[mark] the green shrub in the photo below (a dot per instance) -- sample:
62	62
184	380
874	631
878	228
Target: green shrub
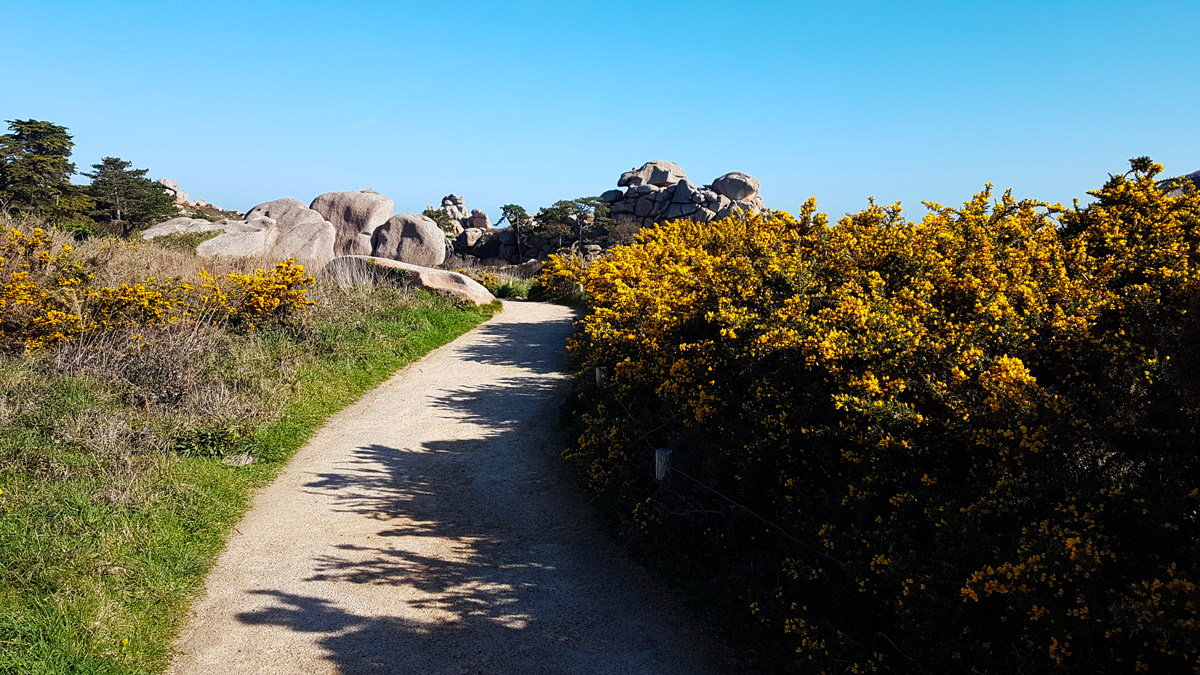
442	219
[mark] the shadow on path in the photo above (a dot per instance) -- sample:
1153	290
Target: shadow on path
493	559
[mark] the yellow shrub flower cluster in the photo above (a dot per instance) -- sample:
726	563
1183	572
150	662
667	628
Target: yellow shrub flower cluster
47	298
960	444
562	273
261	297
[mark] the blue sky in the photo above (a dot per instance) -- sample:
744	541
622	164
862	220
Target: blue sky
530	102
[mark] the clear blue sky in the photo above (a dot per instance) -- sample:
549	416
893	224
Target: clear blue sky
524	102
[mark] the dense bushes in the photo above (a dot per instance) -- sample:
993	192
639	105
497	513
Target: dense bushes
964	444
47	296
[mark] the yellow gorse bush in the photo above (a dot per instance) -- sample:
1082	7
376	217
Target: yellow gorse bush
562	273
261	297
47	298
973	433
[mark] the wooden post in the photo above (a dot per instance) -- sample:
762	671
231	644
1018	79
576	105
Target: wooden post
601	373
662	463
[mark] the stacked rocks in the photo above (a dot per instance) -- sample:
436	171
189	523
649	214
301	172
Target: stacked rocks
456	207
172	188
660	191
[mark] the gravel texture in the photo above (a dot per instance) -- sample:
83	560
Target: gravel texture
432	528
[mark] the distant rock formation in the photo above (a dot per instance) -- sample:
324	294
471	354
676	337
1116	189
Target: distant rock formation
184	202
660	191
456	207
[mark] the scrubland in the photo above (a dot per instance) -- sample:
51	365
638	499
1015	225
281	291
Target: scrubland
960	444
144	393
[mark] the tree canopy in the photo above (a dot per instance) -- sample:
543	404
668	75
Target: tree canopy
125	199
35	172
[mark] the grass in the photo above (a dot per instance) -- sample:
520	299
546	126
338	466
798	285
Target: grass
116	500
514	288
186	243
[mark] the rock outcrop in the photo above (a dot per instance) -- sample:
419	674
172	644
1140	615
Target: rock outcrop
410	238
185	203
185	225
660	191
310	240
439	281
456	207
736	186
468	238
276	230
355	215
249	244
287	212
339	223
657	173
480	220
172	188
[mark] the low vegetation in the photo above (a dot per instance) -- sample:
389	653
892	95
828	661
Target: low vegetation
143	394
965	444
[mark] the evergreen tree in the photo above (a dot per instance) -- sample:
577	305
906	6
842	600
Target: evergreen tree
520	221
35	172
442	219
125	199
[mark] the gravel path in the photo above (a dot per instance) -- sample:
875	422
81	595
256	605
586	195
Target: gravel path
431	528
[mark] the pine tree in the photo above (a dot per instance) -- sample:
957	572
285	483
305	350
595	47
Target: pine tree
35	172
125	199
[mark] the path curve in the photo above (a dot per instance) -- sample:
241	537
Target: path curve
431	528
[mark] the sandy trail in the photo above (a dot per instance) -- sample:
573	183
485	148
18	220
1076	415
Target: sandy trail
431	528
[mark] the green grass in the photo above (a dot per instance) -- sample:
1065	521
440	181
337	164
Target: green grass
515	288
101	556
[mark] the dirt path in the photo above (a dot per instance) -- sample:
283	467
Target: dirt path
431	528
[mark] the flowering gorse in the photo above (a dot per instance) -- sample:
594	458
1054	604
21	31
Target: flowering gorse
47	298
972	434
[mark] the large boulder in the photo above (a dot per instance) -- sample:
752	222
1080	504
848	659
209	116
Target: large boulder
286	212
736	185
199	225
180	225
355	215
235	244
480	220
657	173
172	188
410	238
439	281
469	237
310	241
